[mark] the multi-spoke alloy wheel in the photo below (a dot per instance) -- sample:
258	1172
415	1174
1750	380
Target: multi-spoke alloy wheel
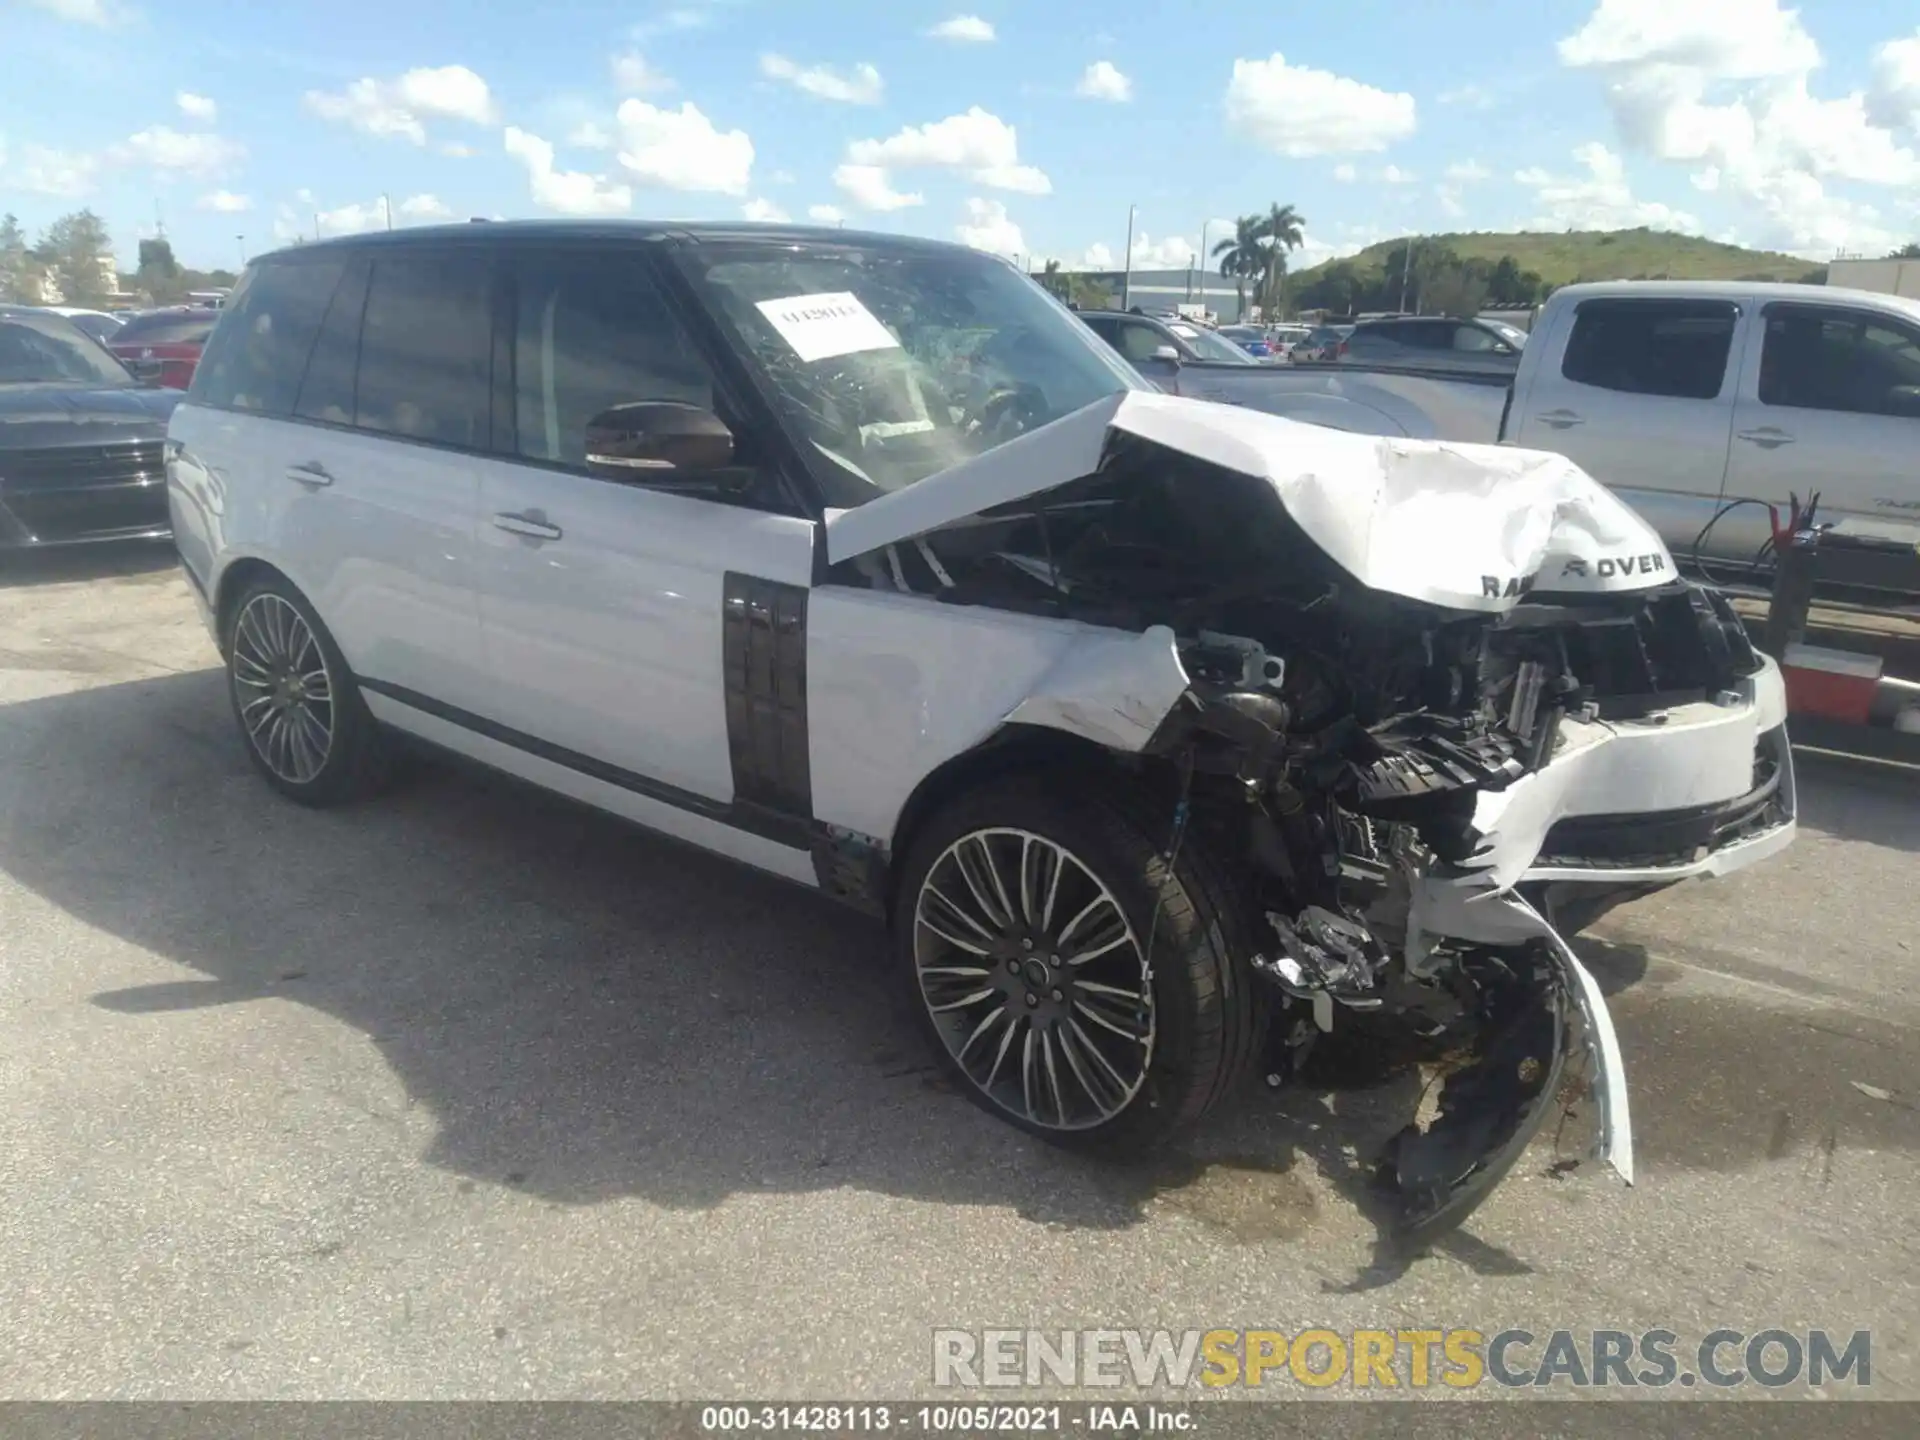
1034	979
282	688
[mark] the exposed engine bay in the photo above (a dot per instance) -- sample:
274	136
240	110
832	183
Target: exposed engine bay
1389	770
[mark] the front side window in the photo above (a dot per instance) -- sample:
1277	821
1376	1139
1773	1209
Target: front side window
1138	342
1832	358
891	363
44	349
1472	339
1676	348
426	349
590	333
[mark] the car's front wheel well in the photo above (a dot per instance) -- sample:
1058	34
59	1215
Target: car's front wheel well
1013	751
234	582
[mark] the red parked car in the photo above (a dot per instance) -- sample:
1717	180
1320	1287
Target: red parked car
163	346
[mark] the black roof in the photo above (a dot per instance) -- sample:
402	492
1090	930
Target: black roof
623	231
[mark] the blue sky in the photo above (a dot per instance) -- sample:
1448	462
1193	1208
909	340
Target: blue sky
1026	128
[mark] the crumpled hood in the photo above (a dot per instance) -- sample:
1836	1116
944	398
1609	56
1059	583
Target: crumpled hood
1470	527
36	417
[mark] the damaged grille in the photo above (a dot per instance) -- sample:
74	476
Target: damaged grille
1663	838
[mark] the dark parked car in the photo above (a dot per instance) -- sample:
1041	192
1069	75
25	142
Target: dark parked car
164	346
1323	342
1433	340
1142	337
81	439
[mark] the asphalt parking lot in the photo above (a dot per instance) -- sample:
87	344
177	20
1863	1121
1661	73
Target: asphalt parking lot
467	1093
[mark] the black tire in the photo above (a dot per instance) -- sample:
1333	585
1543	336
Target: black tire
355	761
1207	1013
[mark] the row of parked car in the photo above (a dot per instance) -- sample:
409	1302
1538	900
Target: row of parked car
1415	341
161	345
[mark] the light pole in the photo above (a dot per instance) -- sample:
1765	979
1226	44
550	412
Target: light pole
1126	274
1205	225
241	241
387	205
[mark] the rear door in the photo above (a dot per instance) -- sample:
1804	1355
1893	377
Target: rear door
1830	402
1639	393
381	470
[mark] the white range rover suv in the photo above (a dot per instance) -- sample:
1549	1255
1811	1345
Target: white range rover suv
1158	731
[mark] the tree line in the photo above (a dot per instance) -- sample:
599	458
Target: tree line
73	264
1423	277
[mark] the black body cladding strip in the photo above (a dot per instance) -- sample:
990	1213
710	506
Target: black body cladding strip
763	648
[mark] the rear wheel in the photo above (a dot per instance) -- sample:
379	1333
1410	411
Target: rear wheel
305	726
1072	980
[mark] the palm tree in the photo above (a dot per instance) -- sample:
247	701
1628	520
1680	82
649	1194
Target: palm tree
1241	255
1050	279
1280	233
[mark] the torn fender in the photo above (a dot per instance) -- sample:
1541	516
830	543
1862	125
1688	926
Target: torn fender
1468	527
1114	689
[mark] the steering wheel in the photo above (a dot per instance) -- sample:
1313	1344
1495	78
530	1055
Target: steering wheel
1007	411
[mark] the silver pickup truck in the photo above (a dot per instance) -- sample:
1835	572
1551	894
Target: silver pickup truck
1682	396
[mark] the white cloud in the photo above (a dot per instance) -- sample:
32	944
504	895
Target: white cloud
1470	97
673	20
869	188
1468	172
1600	199
457	152
861	86
634	75
590	135
1299	111
1733	39
82	12
1893	100
167	149
43	170
1723	87
765	211
568	192
303	195
1449	199
1394	175
370	215
1102	80
987	227
978	142
968	29
825	214
196	107
683	150
1169	253
225	202
1315	250
425	207
1346	174
395	107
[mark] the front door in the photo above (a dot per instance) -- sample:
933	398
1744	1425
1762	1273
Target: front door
620	621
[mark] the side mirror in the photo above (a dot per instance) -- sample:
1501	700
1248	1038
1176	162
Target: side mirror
1167	354
658	442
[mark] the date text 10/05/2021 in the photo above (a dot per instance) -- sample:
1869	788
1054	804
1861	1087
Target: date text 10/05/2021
961	1419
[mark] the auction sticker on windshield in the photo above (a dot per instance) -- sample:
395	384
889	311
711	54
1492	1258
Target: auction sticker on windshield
819	327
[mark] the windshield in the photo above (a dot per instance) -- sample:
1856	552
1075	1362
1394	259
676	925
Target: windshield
893	364
1512	336
188	327
1209	346
45	349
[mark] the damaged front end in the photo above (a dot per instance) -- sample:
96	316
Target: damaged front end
1392	679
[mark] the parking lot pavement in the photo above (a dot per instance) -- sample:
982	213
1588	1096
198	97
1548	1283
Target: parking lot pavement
468	1093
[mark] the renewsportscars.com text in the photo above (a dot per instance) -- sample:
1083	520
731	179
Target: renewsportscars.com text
1455	1358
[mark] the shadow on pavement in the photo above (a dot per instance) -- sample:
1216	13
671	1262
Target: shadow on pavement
588	1011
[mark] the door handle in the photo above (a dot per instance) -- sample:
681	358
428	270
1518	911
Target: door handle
1560	419
1767	437
311	473
531	526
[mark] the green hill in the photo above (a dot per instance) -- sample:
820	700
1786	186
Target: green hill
1562	258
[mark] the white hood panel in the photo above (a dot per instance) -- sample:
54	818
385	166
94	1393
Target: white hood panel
1469	527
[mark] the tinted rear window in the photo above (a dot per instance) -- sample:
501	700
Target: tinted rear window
167	329
1676	348
258	352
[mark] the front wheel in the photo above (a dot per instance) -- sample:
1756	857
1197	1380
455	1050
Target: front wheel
1072	980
